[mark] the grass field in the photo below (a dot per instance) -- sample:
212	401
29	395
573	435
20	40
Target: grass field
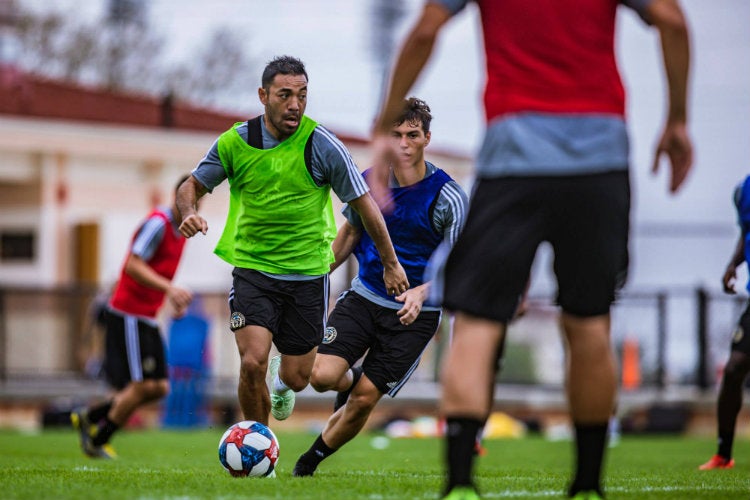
183	465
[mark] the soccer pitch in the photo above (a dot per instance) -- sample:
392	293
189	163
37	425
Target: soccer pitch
184	465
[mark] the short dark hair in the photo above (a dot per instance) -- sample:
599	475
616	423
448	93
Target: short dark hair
415	111
282	65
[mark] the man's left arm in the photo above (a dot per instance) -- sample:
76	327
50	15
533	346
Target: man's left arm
394	275
146	242
178	297
675	143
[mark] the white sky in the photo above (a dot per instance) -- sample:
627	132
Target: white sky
332	38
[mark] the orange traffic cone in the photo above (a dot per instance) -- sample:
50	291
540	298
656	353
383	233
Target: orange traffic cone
631	366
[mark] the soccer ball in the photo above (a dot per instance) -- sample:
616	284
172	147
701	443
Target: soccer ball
249	448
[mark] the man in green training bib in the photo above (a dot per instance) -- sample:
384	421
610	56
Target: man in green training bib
281	167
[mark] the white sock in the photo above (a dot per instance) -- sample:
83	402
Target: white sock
279	387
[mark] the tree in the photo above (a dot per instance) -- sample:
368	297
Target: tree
217	68
122	52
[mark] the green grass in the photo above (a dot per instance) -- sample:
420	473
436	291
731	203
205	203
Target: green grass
183	465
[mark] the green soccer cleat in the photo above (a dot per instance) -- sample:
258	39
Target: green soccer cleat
462	493
281	404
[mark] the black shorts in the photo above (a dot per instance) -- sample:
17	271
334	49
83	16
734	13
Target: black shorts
134	350
357	325
294	311
741	337
586	220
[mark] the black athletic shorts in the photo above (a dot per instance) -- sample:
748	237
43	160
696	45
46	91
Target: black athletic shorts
357	326
586	220
134	350
741	337
294	311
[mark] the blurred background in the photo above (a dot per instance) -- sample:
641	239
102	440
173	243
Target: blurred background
105	103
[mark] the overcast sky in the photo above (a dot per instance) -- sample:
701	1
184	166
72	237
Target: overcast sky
333	38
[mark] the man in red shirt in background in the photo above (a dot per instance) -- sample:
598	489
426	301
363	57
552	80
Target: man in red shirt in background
135	362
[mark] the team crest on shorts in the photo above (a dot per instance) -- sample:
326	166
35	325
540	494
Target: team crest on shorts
329	335
148	364
738	334
236	321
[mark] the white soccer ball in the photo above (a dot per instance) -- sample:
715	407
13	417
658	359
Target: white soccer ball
249	448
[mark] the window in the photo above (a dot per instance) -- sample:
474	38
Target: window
16	245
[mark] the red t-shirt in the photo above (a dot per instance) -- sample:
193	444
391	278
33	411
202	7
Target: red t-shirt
551	56
134	298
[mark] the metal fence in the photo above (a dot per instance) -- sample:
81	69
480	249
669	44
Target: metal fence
682	337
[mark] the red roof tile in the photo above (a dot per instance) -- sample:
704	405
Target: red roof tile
24	94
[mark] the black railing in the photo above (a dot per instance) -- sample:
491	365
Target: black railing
683	333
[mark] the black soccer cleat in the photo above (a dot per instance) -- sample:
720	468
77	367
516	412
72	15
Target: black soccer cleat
302	469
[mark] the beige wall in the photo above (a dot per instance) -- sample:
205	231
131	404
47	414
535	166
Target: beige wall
55	175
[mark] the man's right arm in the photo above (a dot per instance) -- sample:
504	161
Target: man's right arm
187	198
205	177
410	62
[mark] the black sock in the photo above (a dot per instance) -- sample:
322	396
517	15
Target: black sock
97	413
317	452
729	403
591	440
460	438
728	406
104	432
725	445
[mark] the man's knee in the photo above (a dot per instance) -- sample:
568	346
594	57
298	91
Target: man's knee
253	369
322	379
151	389
320	384
297	382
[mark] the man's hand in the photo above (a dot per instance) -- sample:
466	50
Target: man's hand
179	299
678	147
395	279
413	300
192	225
676	144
